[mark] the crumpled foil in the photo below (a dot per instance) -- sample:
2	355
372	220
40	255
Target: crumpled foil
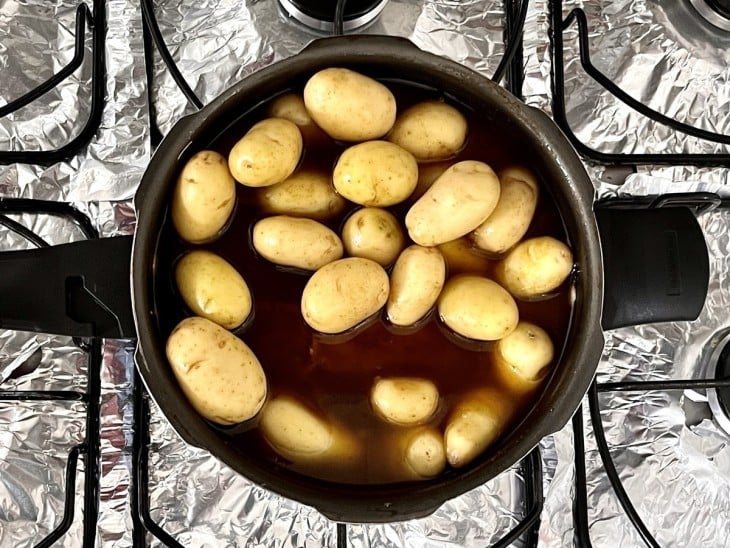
37	40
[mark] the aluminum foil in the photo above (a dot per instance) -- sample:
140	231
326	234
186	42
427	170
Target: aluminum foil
38	40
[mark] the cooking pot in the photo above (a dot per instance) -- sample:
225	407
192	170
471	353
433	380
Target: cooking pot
656	269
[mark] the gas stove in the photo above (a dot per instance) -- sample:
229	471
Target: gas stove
89	88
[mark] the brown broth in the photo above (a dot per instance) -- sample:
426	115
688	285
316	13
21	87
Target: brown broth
334	379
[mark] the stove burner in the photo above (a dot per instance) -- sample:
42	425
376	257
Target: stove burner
719	398
716	12
319	15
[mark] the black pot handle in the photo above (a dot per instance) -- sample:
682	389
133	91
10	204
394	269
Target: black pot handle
81	289
655	261
331	41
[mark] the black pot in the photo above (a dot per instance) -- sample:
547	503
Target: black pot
661	275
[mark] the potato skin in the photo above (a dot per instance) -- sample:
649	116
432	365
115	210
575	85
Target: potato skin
375	173
461	258
349	106
267	154
477	308
427	175
217	371
406	401
430	130
291	241
373	233
457	202
203	198
415	284
304	194
474	423
535	267
522	356
290	106
510	220
213	289
343	293
424	454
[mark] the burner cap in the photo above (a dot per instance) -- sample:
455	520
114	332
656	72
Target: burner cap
716	12
319	14
722	372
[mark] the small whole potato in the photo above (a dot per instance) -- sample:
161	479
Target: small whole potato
403	400
267	154
213	289
477	308
203	198
415	284
219	374
343	293
300	435
458	202
474	423
522	356
461	258
431	130
519	173
375	173
349	106
291	241
304	194
510	220
535	267
423	452
373	233
290	106
427	175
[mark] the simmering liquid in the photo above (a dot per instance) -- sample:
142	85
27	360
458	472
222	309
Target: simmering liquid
333	376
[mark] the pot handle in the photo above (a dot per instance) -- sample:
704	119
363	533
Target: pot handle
80	289
656	265
330	42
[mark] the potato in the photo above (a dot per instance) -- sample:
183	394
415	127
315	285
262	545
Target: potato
219	374
427	175
423	452
458	202
522	356
535	267
510	220
300	435
461	258
474	423
343	293
290	106
267	154
373	233
203	199
349	106
521	174
431	130
291	241
415	284
304	194
375	173
477	308
404	401
213	289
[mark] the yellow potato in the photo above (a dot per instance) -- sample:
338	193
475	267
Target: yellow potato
474	423
477	308
267	154
203	199
375	173
522	356
349	106
535	267
403	400
300	435
343	293
373	233
291	241
290	106
458	202
219	374
431	130
423	452
415	284
427	175
461	258
304	194
213	289
510	220
521	174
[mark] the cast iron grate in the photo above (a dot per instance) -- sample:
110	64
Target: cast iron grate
89	449
95	19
